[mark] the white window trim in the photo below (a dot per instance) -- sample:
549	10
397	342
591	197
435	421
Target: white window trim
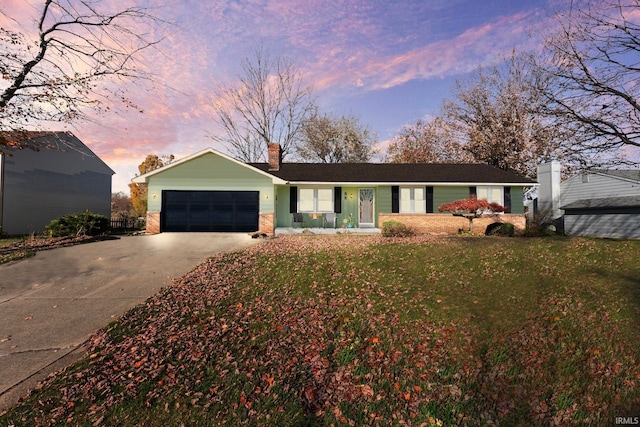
315	200
412	204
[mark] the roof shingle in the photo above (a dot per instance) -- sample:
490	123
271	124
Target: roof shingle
604	203
394	173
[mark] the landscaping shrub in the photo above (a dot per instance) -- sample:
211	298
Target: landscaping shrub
86	223
542	224
396	229
500	229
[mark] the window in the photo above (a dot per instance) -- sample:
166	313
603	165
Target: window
491	194
412	200
307	200
325	200
315	200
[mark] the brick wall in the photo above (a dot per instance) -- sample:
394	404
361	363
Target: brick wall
449	224
153	222
267	222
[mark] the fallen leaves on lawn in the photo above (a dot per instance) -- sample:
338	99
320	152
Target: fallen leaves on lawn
236	341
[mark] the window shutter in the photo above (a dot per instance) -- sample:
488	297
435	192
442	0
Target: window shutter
337	199
507	199
429	193
293	199
473	192
395	199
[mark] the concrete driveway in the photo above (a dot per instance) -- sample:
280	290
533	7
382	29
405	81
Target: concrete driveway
52	302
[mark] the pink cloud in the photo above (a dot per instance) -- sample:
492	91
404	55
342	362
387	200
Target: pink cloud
338	44
474	47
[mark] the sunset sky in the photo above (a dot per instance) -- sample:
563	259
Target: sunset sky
386	62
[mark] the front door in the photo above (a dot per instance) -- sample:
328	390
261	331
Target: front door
366	205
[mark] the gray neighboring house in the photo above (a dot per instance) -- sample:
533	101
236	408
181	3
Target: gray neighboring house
60	176
597	203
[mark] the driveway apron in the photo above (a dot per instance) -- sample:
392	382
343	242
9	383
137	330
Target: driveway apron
51	303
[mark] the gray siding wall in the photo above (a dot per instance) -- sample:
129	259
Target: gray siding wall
43	185
598	223
598	186
616	225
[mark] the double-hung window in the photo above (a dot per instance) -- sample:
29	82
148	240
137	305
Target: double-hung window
412	200
490	194
315	200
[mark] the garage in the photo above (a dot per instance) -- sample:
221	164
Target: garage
198	211
613	217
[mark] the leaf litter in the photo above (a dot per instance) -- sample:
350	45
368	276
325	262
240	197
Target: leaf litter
301	330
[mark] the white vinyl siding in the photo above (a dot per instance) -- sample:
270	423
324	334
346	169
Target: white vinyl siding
611	225
312	200
412	200
599	186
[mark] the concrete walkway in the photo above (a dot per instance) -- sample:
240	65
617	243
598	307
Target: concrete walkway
52	302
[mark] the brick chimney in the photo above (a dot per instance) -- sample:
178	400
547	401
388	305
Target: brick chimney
275	156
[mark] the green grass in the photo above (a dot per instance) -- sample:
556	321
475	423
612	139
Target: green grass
352	330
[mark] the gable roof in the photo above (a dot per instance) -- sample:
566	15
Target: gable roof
140	179
14	141
392	173
630	174
369	173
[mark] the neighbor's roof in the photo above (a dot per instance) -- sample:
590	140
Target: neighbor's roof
604	203
436	173
14	141
622	173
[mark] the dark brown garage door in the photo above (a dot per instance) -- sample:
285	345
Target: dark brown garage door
231	211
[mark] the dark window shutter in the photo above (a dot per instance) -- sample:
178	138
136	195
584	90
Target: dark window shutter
337	199
473	192
429	191
507	199
395	199
293	199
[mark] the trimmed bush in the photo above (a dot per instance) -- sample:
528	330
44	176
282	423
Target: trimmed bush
396	229
82	224
500	229
543	224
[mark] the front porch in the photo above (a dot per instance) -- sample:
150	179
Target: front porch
319	230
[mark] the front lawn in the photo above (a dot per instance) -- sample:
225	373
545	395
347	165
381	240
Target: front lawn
362	330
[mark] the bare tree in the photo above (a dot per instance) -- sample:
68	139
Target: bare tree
268	104
495	114
593	61
427	141
336	139
51	73
121	206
